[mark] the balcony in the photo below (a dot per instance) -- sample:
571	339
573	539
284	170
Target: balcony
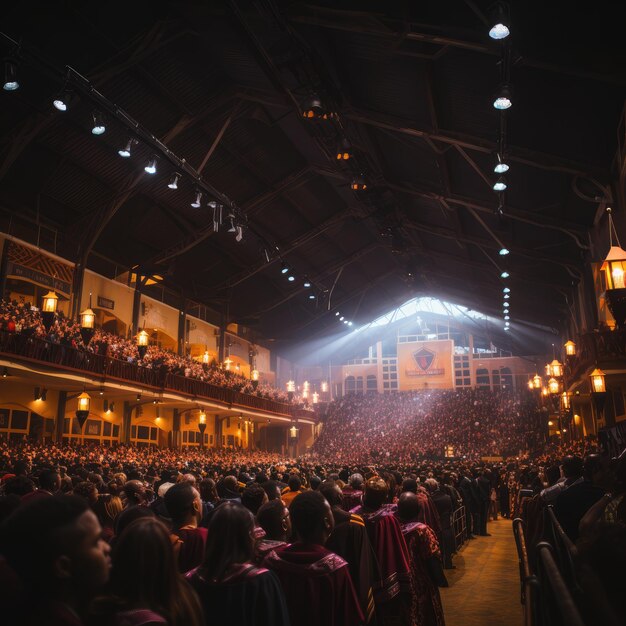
605	349
64	358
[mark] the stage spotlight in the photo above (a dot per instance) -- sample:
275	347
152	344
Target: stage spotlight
506	296
239	235
151	168
503	252
125	151
10	76
506	305
501	166
506	290
197	203
344	150
312	107
283	268
500	184
506	317
98	124
504	275
311	296
291	278
62	101
232	228
173	184
337	313
358	183
503	98
500	21
341	319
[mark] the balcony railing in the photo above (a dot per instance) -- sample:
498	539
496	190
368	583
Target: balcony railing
605	349
64	357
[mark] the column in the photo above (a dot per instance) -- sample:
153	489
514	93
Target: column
60	417
218	431
126	421
176	435
182	328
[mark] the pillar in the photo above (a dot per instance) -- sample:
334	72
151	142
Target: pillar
136	305
60	417
218	431
4	259
182	328
77	289
176	434
126	421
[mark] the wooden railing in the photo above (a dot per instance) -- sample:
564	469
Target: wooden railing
604	348
66	358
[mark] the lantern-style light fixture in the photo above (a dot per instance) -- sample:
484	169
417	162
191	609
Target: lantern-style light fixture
545	392
87	319
537	382
84	401
291	386
614	268
227	363
556	369
50	302
565	401
548	369
597	381
254	374
531	385
316	397
206	357
293	431
550	423
142	343
324	386
553	386
570	348
87	325
202	426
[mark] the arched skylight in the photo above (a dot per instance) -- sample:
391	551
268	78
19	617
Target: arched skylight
425	305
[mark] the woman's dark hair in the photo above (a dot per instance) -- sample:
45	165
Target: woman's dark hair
145	574
230	540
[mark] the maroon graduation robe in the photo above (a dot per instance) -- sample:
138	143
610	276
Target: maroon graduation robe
422	543
317	586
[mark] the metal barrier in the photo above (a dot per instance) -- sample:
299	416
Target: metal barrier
459	526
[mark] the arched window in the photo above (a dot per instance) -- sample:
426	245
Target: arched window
506	378
482	377
372	384
349	385
359	385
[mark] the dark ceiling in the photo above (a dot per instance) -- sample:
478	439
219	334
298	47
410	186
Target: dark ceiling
221	85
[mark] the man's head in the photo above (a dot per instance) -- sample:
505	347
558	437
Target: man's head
356	482
55	545
135	492
88	491
432	485
274	518
294	483
572	467
272	489
409	484
253	497
376	491
230	484
331	491
49	480
311	517
408	506
183	504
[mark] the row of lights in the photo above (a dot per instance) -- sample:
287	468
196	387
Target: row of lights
342	319
306	283
61	102
500	29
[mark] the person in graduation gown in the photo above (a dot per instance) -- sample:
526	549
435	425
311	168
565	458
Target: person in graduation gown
273	518
392	593
350	541
184	506
232	590
316	581
426	571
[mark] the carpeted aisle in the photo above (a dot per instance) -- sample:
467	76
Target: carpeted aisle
484	589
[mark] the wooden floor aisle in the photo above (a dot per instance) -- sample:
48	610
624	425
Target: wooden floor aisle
484	589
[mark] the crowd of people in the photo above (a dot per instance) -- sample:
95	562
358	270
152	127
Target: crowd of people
130	536
406	426
23	319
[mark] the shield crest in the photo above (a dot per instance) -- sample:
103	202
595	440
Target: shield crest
424	358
